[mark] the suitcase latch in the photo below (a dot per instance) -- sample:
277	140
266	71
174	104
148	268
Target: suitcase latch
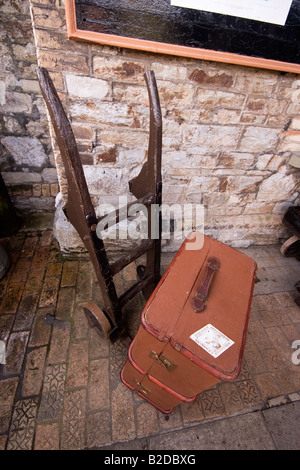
163	361
140	388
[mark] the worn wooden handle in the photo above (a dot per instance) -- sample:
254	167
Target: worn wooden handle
199	300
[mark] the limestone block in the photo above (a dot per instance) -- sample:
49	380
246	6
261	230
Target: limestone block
49	175
259	208
25	150
92	110
278	187
270	162
106	180
86	87
14	102
212	77
47	18
130	94
62	62
19	177
123	137
202	184
240	183
175	159
212	99
295	124
30	86
210	138
259	139
256	81
169	70
131	158
12	125
179	95
236	160
63	230
226	116
119	69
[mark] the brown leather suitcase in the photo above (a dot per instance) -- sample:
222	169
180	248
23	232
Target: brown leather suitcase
193	327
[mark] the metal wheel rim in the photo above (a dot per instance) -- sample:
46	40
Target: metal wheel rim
287	244
97	319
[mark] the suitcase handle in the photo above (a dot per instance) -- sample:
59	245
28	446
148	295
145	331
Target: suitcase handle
200	299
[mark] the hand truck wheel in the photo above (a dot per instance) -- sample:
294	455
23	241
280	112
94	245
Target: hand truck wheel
140	270
97	319
291	247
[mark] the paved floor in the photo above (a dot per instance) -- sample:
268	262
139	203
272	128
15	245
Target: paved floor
60	387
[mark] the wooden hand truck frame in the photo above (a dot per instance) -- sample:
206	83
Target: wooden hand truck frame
79	210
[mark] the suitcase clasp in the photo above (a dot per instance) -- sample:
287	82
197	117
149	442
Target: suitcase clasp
141	389
163	361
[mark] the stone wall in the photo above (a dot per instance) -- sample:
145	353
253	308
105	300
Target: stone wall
26	164
228	131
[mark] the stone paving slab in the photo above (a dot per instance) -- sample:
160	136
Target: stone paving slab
243	432
273	428
60	387
283	424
